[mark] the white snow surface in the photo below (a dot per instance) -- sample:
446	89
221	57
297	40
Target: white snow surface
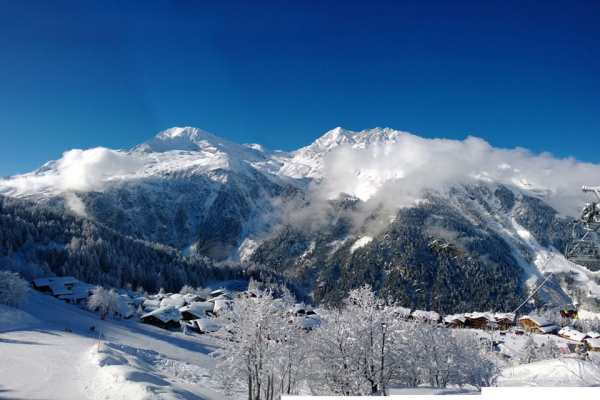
42	360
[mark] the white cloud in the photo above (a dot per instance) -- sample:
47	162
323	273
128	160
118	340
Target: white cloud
77	170
395	174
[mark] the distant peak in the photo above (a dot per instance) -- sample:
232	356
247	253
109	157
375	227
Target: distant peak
182	138
185	132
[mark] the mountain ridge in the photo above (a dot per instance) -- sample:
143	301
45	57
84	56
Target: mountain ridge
405	214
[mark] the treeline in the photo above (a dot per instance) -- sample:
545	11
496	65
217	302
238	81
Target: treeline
39	240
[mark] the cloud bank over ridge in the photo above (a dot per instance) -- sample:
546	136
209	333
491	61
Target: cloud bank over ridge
396	174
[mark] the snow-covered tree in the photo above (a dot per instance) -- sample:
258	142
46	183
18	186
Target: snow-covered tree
187	289
105	301
253	332
13	289
549	350
530	351
356	348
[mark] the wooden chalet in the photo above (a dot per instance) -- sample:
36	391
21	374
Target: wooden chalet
455	321
166	317
192	298
176	302
206	325
60	284
572	334
426	316
505	321
537	324
478	320
197	310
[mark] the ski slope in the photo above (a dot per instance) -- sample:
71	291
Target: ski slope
41	360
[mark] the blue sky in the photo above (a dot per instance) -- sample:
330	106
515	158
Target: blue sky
80	74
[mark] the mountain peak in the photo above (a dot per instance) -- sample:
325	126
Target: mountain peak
187	139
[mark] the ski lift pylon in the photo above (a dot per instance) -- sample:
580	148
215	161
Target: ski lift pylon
580	248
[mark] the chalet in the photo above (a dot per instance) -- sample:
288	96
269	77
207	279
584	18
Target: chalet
571	334
505	320
593	335
191	298
138	301
176	302
402	312
534	323
59	283
150	305
197	310
166	317
455	321
221	292
426	316
592	344
478	320
206	325
125	309
221	305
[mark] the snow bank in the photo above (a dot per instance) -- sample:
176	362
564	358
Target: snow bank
557	372
12	319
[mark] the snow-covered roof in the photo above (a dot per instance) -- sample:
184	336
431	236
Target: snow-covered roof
307	322
428	315
454	318
222	291
176	302
63	280
190	297
125	309
137	301
505	316
73	296
199	305
151	303
207	325
594	342
298	307
221	304
593	334
321	312
477	315
536	319
564	330
574	334
58	289
220	297
402	311
547	328
165	314
198	309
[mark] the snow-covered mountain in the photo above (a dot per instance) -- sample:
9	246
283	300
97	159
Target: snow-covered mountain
437	223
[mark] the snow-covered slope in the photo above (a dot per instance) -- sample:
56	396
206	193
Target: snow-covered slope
53	355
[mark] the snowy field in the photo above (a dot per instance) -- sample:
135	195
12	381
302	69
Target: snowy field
41	360
48	352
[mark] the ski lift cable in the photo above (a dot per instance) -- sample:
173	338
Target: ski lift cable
538	288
